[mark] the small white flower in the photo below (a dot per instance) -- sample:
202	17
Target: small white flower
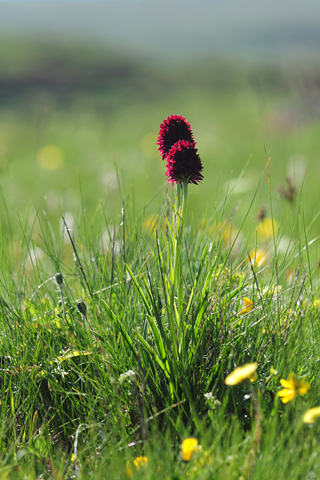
209	396
129	375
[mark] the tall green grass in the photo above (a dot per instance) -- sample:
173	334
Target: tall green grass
110	353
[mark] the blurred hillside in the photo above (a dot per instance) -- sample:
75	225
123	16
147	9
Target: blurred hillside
151	47
277	30
29	67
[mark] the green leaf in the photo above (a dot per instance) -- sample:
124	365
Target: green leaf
152	352
123	331
142	295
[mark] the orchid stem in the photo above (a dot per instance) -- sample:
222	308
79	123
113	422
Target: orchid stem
177	286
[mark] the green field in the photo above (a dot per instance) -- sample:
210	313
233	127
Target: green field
117	340
105	125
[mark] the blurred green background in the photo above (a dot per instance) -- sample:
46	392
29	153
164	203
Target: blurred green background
84	87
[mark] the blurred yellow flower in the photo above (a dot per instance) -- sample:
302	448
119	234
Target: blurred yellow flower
239	374
311	415
258	257
50	157
188	448
292	387
265	229
128	470
138	462
151	222
248	306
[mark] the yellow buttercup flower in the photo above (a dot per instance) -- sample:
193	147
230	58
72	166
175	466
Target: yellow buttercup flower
138	462
248	306
239	374
188	448
292	387
311	415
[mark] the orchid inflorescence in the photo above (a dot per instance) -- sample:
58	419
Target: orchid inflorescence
177	146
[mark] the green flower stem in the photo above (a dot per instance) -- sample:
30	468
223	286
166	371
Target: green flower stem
176	313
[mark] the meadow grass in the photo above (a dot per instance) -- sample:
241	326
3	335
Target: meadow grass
107	358
116	343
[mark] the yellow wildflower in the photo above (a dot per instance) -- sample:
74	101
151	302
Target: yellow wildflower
293	386
248	306
138	462
239	374
188	448
50	157
265	229
311	415
128	471
258	258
